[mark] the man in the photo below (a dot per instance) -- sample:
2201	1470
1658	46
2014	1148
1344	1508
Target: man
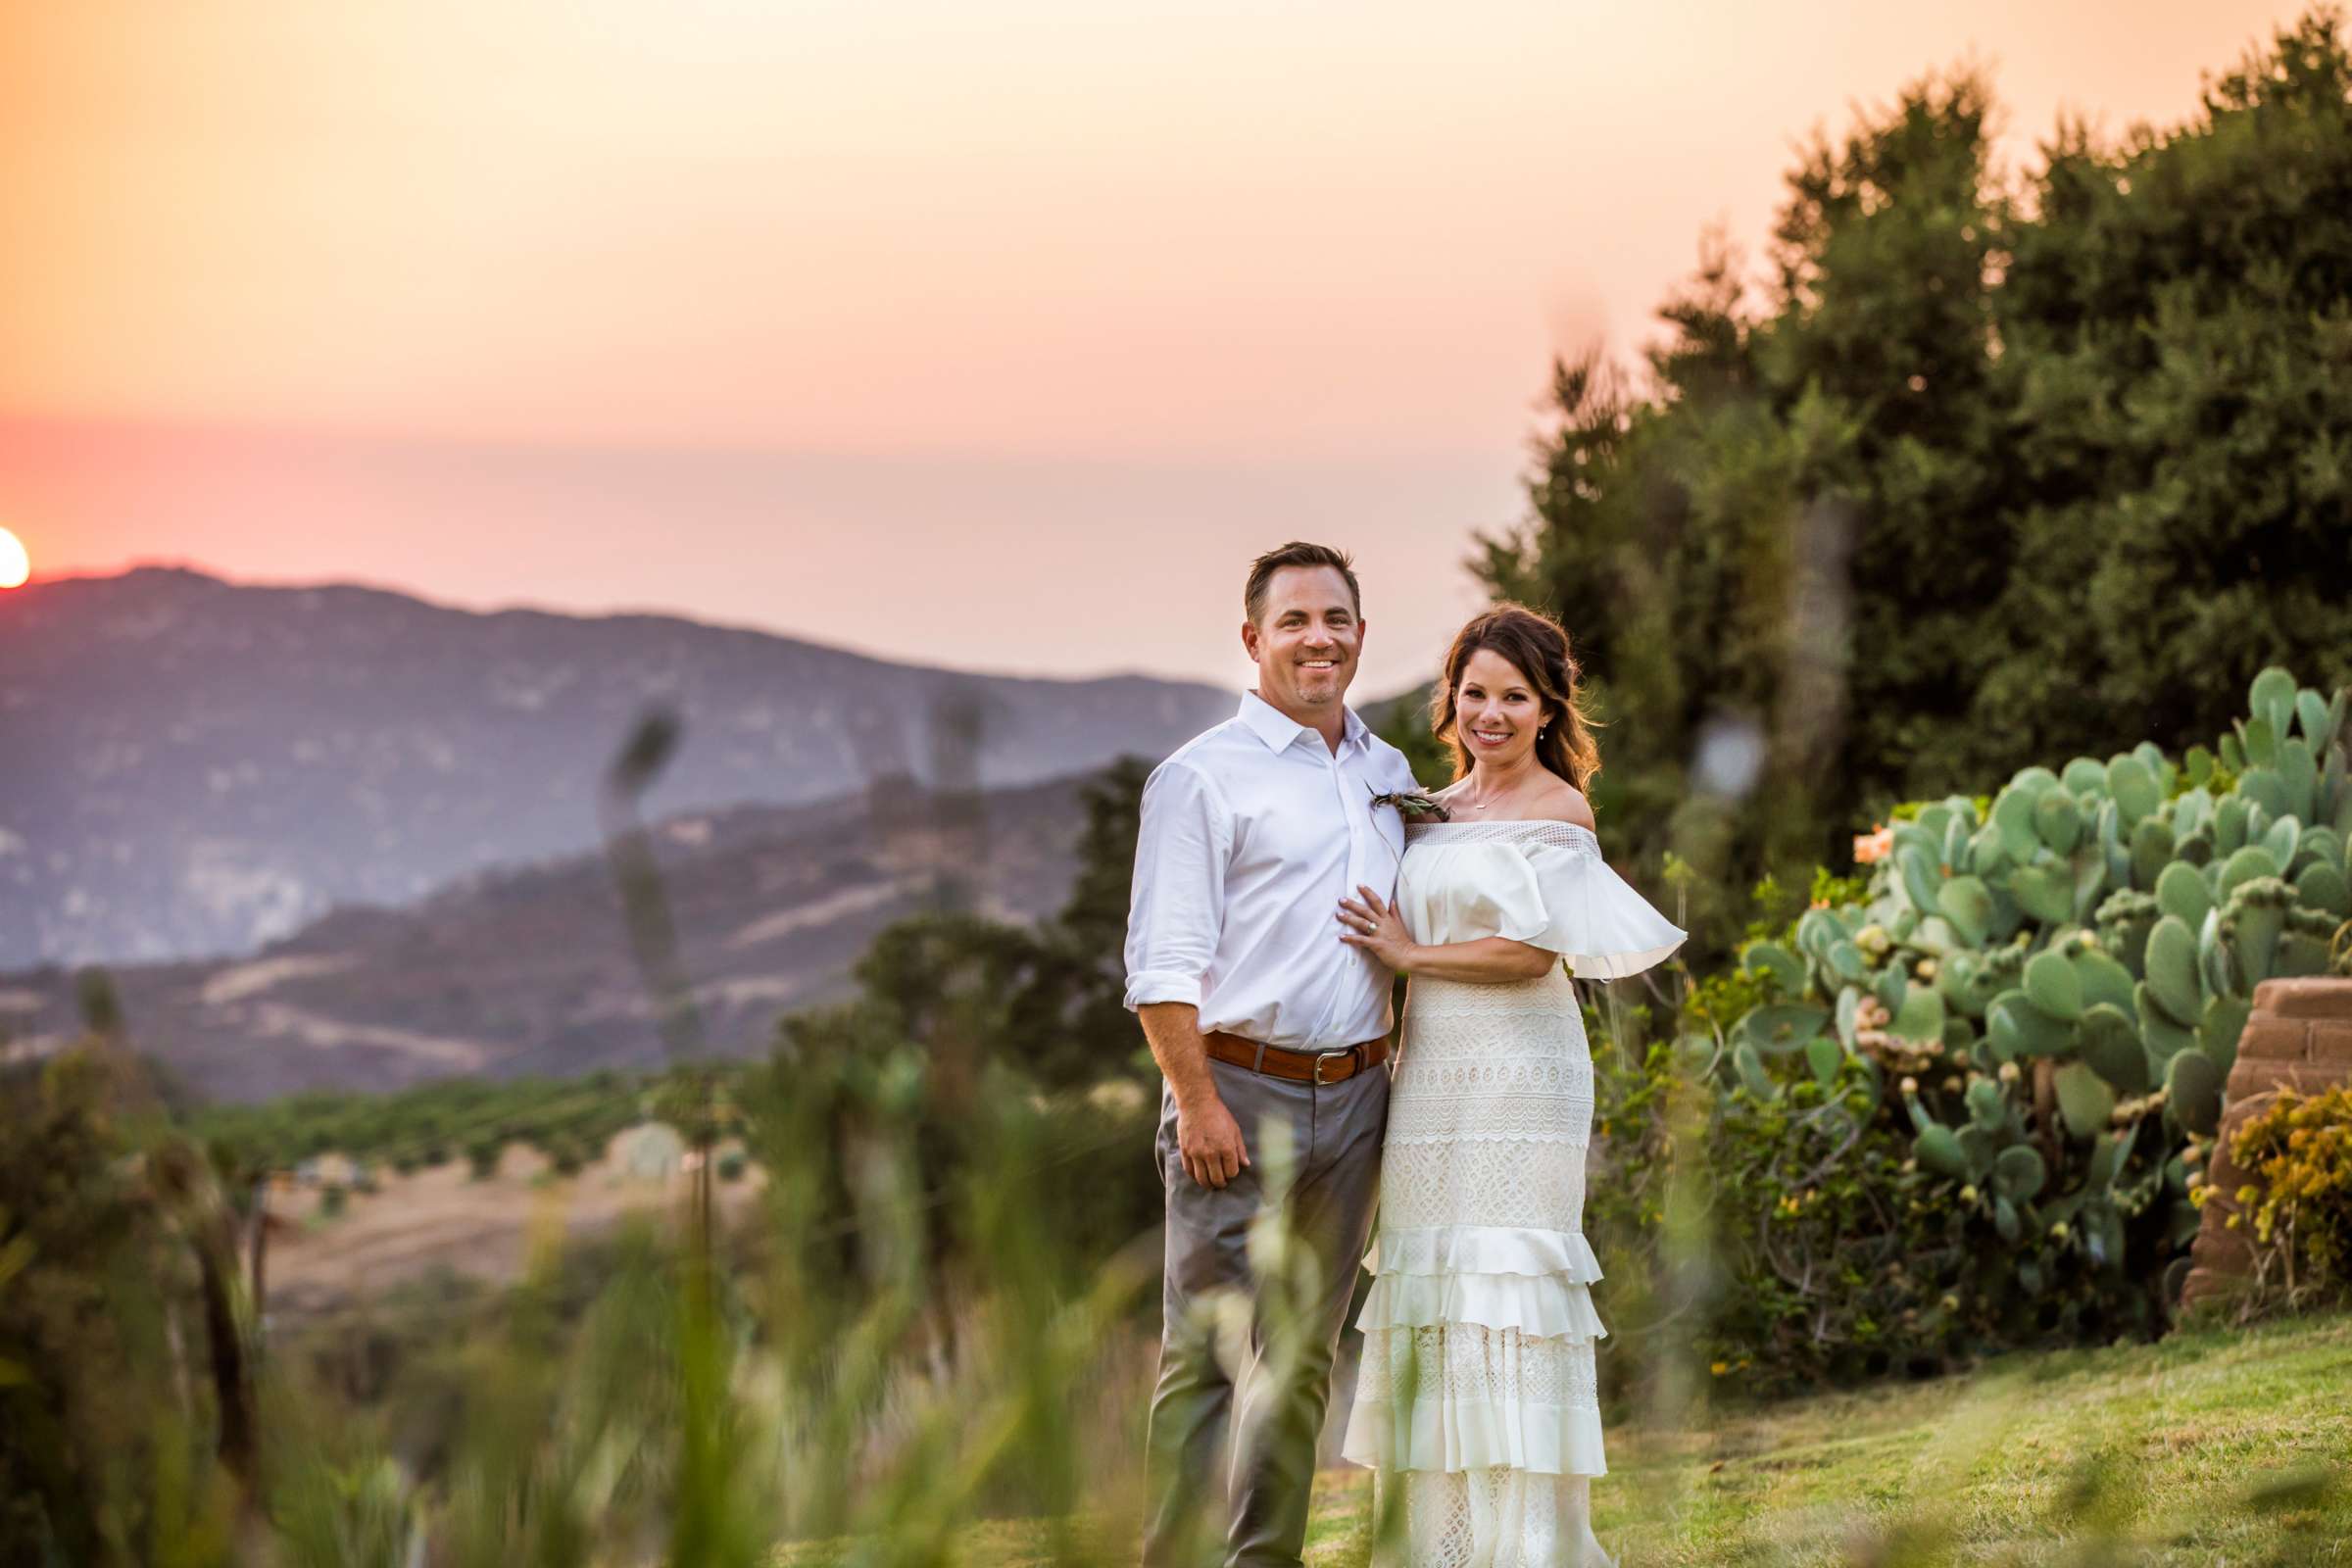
1259	1015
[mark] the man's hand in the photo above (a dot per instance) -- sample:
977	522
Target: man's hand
1207	1136
1210	1140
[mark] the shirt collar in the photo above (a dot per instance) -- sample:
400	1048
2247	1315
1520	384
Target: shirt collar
1279	731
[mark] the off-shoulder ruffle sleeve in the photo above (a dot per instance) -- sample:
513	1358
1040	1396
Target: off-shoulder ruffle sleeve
1545	884
1593	916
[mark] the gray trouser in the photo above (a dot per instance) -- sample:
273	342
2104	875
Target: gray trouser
1295	1320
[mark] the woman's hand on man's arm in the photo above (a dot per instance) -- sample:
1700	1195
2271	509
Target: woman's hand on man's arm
1371	924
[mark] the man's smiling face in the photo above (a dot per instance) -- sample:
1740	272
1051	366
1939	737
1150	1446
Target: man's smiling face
1306	642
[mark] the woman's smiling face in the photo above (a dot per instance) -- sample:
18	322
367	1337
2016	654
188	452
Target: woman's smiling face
1496	709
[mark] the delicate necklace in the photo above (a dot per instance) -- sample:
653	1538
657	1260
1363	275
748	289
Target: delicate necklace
1469	804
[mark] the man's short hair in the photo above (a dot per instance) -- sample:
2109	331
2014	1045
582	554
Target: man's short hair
1298	552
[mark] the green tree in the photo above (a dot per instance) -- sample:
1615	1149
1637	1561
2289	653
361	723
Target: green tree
109	1425
1988	469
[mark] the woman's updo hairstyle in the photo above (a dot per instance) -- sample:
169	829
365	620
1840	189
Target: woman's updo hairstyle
1536	646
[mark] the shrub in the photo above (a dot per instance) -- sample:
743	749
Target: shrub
1948	1108
2298	1202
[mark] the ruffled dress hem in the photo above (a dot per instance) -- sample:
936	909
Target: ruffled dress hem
1440	1433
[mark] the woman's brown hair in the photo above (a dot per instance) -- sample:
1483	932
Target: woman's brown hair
1536	646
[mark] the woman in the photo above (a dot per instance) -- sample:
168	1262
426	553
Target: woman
1477	1399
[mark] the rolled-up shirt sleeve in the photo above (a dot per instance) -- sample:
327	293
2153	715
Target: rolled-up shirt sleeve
1182	843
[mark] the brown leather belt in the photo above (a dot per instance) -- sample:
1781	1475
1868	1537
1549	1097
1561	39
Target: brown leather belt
1322	1068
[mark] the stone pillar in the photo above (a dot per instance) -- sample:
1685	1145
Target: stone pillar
2299	1037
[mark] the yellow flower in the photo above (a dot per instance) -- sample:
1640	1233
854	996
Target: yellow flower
1720	1368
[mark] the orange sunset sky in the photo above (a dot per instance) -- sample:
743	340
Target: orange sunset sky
989	335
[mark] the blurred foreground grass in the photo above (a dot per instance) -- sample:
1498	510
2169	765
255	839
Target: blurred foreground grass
2224	1446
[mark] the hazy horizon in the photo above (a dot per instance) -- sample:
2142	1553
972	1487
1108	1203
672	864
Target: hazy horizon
999	338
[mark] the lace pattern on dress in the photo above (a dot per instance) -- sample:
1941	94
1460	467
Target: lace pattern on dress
1499	1518
1486	1428
1467	1362
1559	835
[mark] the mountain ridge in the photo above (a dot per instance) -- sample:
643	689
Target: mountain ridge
527	968
190	765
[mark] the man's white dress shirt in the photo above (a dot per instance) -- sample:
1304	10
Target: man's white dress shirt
1250	834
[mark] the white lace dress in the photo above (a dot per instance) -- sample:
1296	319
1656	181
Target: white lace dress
1477	1396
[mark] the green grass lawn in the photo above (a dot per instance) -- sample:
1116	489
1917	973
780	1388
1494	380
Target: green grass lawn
2218	1448
2223	1447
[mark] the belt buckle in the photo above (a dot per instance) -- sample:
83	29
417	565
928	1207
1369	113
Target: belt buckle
1321	1057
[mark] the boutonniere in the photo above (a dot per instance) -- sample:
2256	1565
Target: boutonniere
1411	802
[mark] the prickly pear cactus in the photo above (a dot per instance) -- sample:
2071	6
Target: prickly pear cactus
2054	985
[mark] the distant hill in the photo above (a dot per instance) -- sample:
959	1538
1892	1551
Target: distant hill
190	766
528	971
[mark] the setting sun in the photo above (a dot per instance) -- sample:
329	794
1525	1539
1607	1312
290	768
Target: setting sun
15	565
